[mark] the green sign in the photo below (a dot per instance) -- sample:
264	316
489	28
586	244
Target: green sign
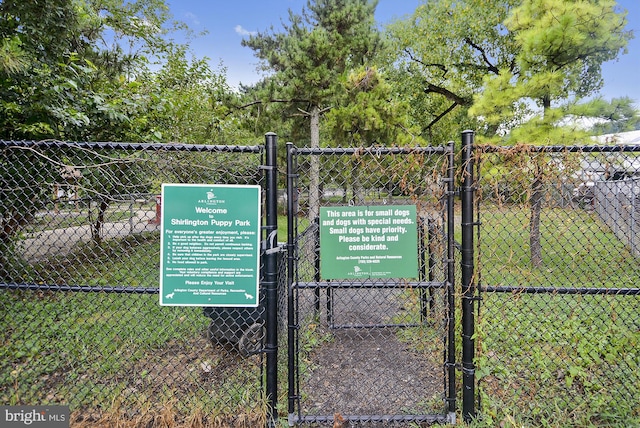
368	242
209	245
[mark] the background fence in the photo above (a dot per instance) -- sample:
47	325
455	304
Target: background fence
81	324
559	322
618	205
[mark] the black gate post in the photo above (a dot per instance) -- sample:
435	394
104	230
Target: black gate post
270	280
450	292
468	291
292	211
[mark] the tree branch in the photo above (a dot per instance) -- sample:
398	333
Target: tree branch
441	115
490	67
427	65
255	102
431	88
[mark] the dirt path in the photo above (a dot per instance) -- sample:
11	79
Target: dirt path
365	365
41	245
374	374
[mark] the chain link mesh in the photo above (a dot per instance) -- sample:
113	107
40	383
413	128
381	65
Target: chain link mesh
558	325
371	350
559	322
81	322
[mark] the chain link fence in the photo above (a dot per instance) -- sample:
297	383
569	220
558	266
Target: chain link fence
558	327
79	268
370	346
558	323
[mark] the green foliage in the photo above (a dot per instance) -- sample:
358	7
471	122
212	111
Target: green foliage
80	70
12	58
368	115
445	50
498	58
316	47
310	59
558	52
609	117
566	42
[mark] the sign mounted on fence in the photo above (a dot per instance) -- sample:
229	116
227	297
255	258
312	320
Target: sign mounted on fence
368	242
210	245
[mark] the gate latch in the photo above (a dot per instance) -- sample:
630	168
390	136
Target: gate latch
269	245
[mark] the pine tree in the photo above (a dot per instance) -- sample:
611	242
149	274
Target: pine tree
309	57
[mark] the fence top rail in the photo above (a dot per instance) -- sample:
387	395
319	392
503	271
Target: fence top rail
529	148
374	151
55	144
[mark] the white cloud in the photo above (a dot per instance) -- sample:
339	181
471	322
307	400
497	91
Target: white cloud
192	17
244	32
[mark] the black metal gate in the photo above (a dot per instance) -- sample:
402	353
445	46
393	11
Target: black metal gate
375	351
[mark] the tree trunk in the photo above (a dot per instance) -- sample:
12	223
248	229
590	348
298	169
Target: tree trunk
314	173
9	228
358	188
537	195
98	225
534	225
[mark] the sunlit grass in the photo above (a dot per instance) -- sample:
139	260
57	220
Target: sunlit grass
549	359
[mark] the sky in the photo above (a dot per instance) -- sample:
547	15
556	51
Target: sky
228	22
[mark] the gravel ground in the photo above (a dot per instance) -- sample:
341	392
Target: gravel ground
370	371
375	374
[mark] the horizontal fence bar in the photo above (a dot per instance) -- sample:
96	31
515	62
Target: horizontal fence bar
369	284
50	144
373	326
619	148
429	419
80	288
562	290
375	151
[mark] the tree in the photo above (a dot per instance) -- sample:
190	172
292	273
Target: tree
309	57
368	116
608	117
560	47
446	48
79	70
63	62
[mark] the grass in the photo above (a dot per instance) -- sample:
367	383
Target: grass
553	359
578	251
89	350
542	360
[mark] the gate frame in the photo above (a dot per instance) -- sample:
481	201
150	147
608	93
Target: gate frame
449	366
468	193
